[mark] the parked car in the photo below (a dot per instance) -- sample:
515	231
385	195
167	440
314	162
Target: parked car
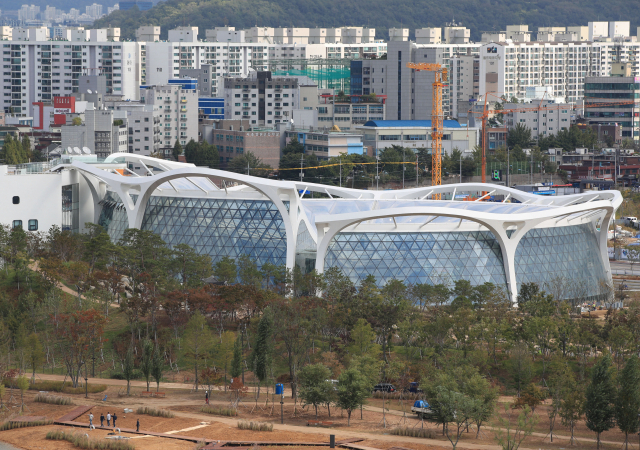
413	388
384	387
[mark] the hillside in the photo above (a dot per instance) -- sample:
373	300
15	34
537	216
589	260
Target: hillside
478	15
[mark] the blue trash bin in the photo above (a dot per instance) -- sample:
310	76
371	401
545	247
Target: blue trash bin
279	389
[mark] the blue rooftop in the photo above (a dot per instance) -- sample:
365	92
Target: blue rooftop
409	123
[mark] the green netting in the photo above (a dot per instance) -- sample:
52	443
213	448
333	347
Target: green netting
327	78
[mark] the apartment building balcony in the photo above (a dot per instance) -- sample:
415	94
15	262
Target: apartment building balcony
183	101
167	128
246	107
167	119
183	109
183	119
167	101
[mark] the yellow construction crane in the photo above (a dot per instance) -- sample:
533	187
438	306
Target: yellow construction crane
437	118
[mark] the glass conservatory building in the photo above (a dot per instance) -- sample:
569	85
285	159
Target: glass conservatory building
420	235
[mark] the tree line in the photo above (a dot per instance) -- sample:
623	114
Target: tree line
144	310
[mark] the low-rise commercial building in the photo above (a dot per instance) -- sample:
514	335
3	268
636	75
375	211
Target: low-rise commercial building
416	134
327	144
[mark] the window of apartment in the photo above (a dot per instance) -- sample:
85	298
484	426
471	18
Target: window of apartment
237	96
33	224
17	224
16	200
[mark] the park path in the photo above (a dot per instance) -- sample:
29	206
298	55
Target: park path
134	402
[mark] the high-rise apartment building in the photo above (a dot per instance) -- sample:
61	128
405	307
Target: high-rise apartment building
623	92
408	92
179	113
262	99
36	69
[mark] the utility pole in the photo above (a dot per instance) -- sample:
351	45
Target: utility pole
247	167
340	159
403	168
531	151
460	167
508	167
301	166
377	175
416	170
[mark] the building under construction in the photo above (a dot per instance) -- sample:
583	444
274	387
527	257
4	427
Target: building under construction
328	73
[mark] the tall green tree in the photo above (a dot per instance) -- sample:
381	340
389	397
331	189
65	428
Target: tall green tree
198	341
249	164
236	362
519	135
262	356
157	364
353	389
128	366
177	150
315	389
146	362
600	396
225	270
628	399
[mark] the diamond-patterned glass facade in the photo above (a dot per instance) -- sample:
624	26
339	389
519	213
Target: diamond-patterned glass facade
418	257
569	253
220	227
113	216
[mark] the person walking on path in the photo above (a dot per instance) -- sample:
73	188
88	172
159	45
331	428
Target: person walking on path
90	419
138	425
114	419
206	397
108	419
101	419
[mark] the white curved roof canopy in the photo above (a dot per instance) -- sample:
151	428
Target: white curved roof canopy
345	209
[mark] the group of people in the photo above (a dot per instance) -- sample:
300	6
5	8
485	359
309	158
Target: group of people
110	417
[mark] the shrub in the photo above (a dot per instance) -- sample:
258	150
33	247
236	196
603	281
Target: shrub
232	412
53	399
84	442
255	426
56	386
155	412
12	425
414	432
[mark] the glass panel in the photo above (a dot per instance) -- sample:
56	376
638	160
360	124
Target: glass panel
70	208
565	262
418	257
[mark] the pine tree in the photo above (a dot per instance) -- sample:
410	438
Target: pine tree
26	149
262	352
236	362
10	150
177	150
146	365
628	401
600	395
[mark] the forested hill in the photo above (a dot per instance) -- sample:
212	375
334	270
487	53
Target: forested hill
478	15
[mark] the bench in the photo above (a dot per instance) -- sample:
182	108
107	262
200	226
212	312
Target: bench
146	394
158	394
318	423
